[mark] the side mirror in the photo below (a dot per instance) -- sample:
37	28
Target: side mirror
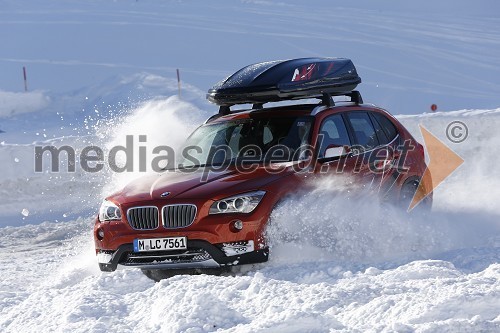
335	151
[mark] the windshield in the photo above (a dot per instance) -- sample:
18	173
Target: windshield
255	139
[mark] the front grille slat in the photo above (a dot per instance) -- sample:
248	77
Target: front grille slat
151	218
170	216
134	219
179	219
187	213
178	216
157	217
143	218
185	217
137	219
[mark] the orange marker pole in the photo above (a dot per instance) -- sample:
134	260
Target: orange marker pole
179	82
25	79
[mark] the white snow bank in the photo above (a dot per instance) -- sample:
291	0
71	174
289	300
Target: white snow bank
63	291
15	103
27	196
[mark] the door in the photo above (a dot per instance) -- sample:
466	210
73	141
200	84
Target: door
376	151
335	155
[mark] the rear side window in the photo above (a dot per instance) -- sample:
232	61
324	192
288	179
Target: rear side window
390	130
363	129
381	135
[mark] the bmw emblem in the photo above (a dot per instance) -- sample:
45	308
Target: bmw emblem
165	194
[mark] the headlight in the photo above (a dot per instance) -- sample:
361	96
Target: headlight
241	203
109	212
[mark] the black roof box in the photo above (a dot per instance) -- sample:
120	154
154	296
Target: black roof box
285	80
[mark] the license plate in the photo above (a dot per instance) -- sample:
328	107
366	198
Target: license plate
160	244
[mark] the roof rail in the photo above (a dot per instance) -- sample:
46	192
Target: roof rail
326	100
355	97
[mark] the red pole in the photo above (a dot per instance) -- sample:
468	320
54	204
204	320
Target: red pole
25	79
179	82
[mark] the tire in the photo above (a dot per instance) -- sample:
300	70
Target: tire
406	196
161	274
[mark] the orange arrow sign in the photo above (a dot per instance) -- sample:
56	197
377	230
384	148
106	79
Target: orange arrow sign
442	162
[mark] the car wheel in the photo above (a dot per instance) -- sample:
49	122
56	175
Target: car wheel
161	274
406	196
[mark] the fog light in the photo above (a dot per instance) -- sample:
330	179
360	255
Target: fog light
238	225
100	234
104	258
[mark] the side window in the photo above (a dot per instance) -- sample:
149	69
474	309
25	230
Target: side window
363	129
332	132
268	135
387	125
234	138
381	135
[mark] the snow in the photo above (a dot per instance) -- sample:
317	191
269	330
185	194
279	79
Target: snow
103	70
67	293
14	103
177	117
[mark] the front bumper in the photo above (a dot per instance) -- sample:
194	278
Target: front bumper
200	254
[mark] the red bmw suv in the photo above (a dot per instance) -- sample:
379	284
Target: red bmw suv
211	210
